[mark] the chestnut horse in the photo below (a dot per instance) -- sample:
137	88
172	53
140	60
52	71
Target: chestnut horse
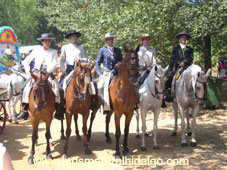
78	100
123	96
41	107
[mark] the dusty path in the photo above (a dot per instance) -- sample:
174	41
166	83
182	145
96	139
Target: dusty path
210	153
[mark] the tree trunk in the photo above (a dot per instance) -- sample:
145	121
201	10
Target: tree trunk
207	52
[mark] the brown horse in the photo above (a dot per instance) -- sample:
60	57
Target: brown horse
41	107
78	100
123	96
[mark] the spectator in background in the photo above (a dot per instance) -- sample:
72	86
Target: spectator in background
218	64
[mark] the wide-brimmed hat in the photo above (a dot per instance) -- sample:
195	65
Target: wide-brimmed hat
183	33
145	36
109	35
71	33
46	36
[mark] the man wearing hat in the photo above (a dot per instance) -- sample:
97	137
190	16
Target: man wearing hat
110	57
70	53
181	57
46	60
147	57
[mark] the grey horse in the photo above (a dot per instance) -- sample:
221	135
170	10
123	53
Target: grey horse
190	90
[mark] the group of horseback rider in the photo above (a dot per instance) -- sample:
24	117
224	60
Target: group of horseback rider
109	56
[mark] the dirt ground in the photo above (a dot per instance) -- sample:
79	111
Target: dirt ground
210	152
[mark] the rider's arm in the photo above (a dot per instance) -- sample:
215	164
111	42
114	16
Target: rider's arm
99	60
188	60
28	60
172	59
62	59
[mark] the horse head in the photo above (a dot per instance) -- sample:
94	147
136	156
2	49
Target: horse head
201	85
41	80
82	78
131	63
157	81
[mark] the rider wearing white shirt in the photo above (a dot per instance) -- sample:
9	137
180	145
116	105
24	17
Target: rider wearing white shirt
46	60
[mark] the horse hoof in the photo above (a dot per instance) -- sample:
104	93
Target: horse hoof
193	144
62	137
156	147
78	138
87	151
16	123
184	144
126	153
146	134
49	157
108	140
64	156
30	160
10	120
137	136
143	148
118	156
189	133
174	133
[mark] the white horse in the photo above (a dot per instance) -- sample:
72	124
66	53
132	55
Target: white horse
190	90
150	98
10	86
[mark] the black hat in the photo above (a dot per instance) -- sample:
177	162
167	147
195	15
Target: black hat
46	36
71	33
183	33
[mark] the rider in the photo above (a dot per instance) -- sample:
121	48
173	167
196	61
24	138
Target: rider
147	57
46	60
181	57
111	58
70	53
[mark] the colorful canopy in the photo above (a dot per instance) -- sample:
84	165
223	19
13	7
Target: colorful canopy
8	39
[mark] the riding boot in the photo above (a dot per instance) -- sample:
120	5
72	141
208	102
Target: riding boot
163	104
24	112
60	110
169	98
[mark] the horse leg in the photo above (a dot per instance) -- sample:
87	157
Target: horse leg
183	140
126	131
16	99
188	122
35	124
107	134
117	118
175	109
91	122
68	117
48	137
195	111
143	118
137	121
62	130
84	128
78	138
155	128
10	119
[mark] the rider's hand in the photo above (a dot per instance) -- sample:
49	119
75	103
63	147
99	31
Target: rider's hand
63	73
182	64
117	65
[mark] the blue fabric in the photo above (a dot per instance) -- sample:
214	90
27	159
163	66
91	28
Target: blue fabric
68	70
105	58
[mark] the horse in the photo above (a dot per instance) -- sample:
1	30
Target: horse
123	96
150	98
10	89
41	107
78	100
190	91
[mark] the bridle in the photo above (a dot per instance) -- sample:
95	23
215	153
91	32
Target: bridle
204	87
157	93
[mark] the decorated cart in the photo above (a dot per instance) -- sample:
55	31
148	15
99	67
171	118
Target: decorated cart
8	41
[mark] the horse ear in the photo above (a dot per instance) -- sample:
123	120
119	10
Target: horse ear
34	76
165	69
46	76
125	49
156	68
208	73
137	48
